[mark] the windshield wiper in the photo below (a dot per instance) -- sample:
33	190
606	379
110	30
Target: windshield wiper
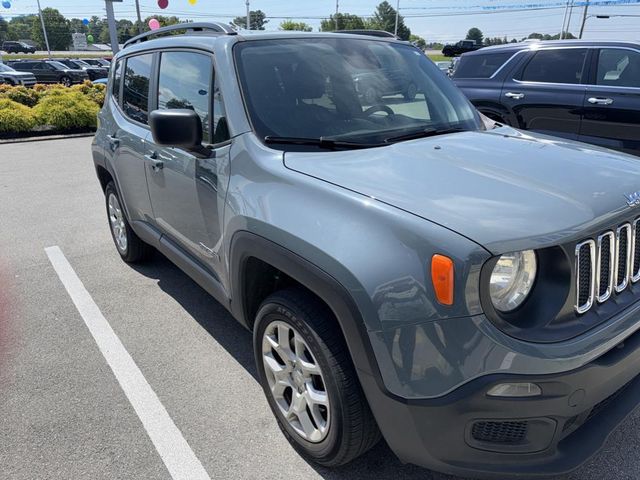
425	132
322	142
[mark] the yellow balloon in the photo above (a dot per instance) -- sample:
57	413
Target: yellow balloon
193	2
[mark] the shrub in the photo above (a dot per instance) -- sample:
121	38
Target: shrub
94	91
66	109
23	95
15	117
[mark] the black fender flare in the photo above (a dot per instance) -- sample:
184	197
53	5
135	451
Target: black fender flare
245	245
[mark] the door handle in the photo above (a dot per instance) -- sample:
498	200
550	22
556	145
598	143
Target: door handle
600	101
515	96
113	141
156	164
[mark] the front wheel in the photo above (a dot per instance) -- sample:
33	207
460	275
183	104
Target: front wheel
411	92
310	383
130	247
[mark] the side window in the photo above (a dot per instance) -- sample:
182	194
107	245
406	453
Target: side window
115	82
556	66
481	66
135	96
185	82
618	68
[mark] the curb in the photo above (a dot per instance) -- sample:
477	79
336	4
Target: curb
46	137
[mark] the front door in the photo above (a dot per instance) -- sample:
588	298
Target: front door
612	104
187	188
45	73
546	93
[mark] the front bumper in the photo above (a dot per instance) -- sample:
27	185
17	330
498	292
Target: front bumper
469	433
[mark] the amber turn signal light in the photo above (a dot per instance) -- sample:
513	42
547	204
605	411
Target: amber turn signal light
442	278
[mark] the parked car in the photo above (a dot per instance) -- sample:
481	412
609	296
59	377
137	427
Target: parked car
18	47
50	71
443	66
13	77
93	72
97	62
453	65
382	75
580	90
463	46
464	289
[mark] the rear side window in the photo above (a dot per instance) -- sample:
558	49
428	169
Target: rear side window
481	66
135	96
618	68
115	82
556	66
185	82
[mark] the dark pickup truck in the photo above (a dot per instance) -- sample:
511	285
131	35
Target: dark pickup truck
463	46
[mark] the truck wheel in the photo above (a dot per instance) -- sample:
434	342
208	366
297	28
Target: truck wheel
411	92
130	247
309	381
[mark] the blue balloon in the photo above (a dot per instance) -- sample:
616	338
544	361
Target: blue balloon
6	4
85	21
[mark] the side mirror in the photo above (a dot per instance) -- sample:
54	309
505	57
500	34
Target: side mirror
176	128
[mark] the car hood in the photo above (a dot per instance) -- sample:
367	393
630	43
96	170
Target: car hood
505	189
17	74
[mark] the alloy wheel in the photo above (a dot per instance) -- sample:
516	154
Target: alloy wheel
117	222
296	381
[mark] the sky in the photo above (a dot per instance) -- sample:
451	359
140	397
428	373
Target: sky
434	20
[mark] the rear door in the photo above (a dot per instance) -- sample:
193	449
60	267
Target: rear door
185	187
612	103
547	92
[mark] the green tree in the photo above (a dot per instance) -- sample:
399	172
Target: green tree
346	21
418	41
4	29
475	34
295	26
258	20
20	28
58	30
384	18
76	26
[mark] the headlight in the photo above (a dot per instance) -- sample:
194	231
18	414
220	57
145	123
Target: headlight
512	279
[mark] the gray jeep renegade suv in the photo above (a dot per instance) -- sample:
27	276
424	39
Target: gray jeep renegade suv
466	290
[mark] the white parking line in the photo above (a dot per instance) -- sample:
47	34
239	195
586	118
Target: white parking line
174	450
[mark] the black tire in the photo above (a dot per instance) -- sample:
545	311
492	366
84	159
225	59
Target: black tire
66	81
352	430
371	96
411	92
135	250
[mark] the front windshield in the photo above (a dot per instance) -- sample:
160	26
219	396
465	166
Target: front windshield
6	68
356	90
58	65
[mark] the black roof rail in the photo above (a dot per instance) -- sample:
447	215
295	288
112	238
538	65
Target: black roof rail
371	33
215	27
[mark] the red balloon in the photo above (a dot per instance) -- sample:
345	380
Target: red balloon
163	4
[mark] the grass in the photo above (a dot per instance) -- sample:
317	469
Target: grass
439	58
31	56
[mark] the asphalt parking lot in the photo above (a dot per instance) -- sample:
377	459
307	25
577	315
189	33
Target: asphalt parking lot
63	410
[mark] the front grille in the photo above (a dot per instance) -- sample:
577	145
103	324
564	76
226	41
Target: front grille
511	432
607	265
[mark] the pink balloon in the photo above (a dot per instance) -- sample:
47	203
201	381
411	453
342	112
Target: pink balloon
163	4
154	24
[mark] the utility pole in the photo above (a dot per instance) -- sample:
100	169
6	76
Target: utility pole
111	21
397	17
584	17
248	15
564	20
336	18
139	17
44	30
568	29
